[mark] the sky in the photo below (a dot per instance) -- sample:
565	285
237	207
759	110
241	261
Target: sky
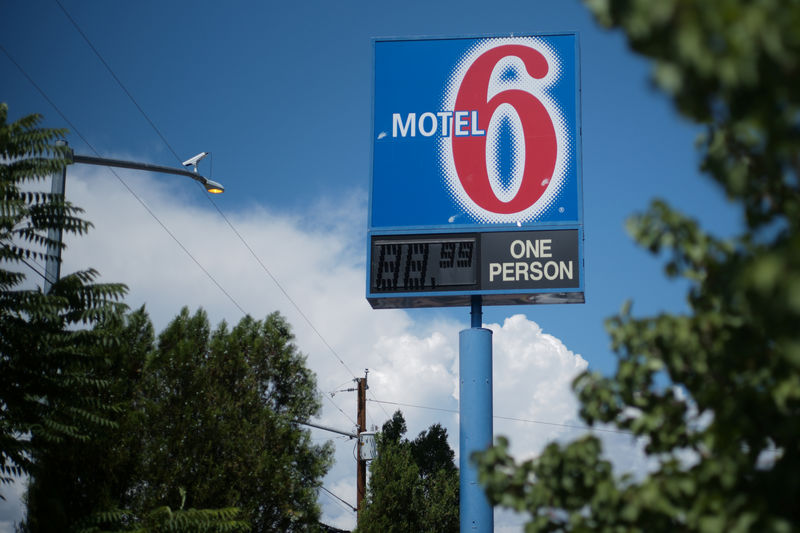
280	94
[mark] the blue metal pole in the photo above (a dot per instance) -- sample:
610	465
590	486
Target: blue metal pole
476	312
475	420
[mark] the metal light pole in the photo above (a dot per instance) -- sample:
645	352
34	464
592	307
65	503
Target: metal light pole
52	266
211	186
53	260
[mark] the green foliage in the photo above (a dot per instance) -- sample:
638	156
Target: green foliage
209	411
394	494
432	453
74	480
221	409
413	485
394	428
164	519
732	66
715	393
49	386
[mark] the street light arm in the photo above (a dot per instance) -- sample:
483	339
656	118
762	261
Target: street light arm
211	186
326	428
53	261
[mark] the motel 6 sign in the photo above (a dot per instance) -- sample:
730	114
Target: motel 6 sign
476	172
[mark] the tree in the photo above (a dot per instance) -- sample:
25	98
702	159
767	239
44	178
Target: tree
49	390
207	421
716	392
413	485
163	519
221	411
75	480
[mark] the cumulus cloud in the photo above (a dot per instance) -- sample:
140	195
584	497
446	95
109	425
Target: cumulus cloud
533	373
313	273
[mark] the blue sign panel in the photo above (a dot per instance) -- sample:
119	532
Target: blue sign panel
472	132
471	135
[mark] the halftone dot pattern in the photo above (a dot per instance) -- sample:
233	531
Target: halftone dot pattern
505	121
509	73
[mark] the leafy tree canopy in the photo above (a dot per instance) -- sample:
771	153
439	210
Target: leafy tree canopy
49	389
163	519
723	431
413	485
207	421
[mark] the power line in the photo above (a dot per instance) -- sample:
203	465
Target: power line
152	214
23	260
338	388
416	406
285	293
280	287
42	274
349	507
138	198
85	38
570	426
211	200
339	408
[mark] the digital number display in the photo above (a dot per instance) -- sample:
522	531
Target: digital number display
423	264
518	267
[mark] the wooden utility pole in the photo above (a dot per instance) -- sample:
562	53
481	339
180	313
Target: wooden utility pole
361	472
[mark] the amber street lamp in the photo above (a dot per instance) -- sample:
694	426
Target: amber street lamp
53	261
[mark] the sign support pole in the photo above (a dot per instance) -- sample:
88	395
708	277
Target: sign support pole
475	420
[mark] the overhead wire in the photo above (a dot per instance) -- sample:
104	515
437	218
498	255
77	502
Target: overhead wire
123	182
337	499
77	132
32	267
42	272
113	75
247	246
349	507
138	198
285	293
513	419
208	197
348	417
242	240
339	386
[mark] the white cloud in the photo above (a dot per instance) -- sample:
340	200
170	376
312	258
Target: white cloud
318	258
533	373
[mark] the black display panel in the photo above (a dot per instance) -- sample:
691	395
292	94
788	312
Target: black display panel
519	267
423	263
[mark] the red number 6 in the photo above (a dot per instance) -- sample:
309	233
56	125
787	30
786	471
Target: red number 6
541	147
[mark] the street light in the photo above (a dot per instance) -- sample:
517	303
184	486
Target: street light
210	185
53	260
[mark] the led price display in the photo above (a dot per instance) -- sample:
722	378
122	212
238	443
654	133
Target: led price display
423	264
504	267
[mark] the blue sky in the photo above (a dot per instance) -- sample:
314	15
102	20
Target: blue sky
280	94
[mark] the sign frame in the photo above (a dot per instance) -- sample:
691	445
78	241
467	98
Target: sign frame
412	225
